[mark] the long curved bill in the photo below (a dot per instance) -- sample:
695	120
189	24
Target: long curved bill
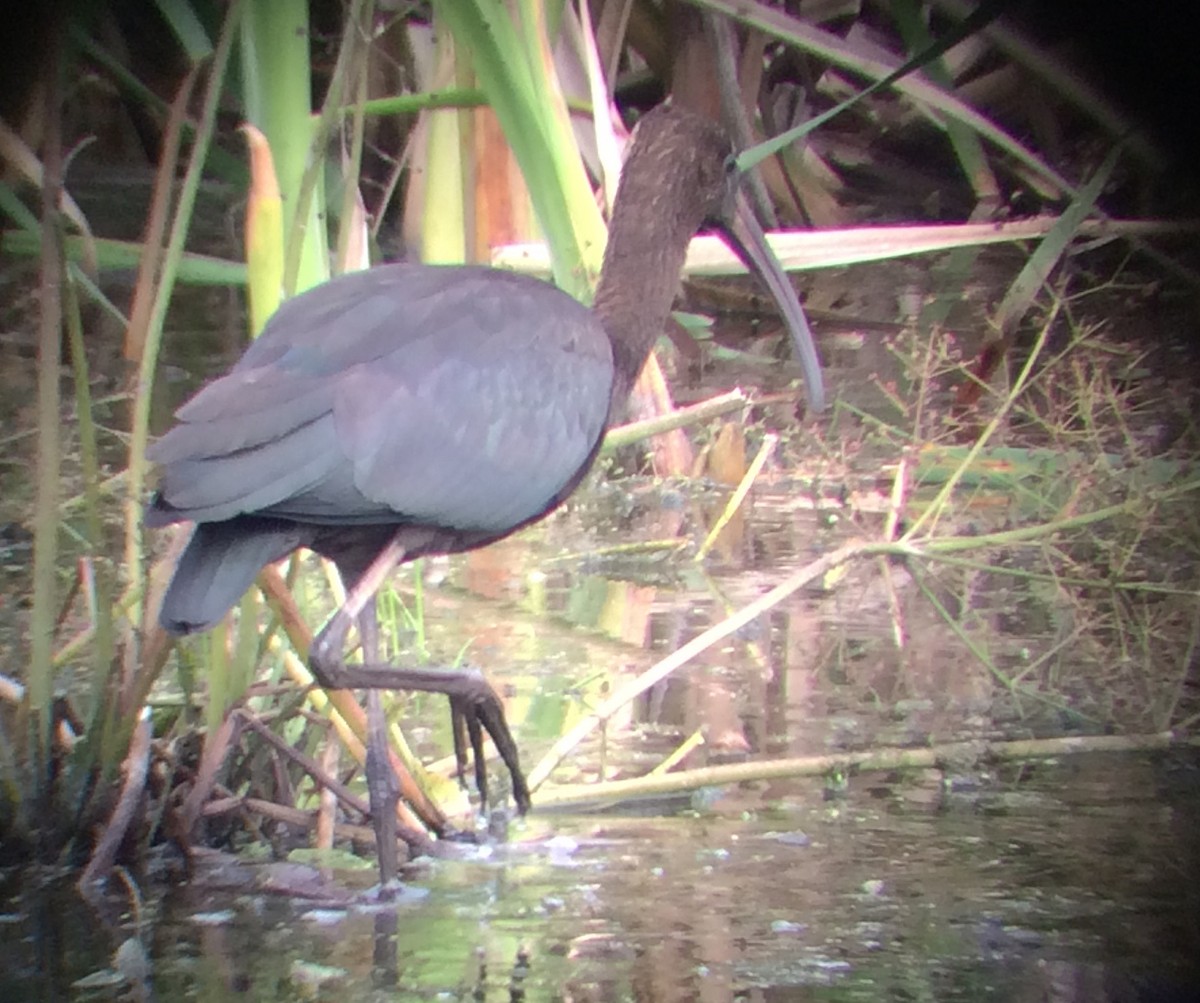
740	230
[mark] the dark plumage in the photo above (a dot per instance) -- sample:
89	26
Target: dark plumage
460	402
422	410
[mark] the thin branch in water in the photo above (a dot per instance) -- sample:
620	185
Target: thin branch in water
866	760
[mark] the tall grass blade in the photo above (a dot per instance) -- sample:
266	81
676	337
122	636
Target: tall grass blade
186	27
97	707
518	87
966	144
140	422
39	677
1037	269
277	82
123	255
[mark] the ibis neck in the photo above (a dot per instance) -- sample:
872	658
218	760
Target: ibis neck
647	244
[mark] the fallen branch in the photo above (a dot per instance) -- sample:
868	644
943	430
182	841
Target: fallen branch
961	754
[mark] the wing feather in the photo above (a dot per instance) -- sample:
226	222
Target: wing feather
465	398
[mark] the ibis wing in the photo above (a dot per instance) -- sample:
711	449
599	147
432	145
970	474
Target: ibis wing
288	376
466	398
478	426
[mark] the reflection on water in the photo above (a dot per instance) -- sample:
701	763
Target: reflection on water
1063	881
1057	881
564	617
1073	880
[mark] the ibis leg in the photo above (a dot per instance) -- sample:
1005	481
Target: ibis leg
474	704
383	788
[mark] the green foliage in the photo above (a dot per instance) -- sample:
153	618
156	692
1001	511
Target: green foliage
276	89
510	57
503	58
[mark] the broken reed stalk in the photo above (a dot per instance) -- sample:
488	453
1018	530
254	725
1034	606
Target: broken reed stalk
866	760
136	768
693	414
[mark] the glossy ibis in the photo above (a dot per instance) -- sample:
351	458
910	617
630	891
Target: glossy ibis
409	410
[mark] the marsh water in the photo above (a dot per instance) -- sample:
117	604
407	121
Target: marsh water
1068	879
1063	879
1074	880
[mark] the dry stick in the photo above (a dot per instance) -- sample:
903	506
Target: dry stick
216	746
739	496
281	600
878	759
331	753
320	775
637	547
137	764
656	673
693	414
65	736
11	691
